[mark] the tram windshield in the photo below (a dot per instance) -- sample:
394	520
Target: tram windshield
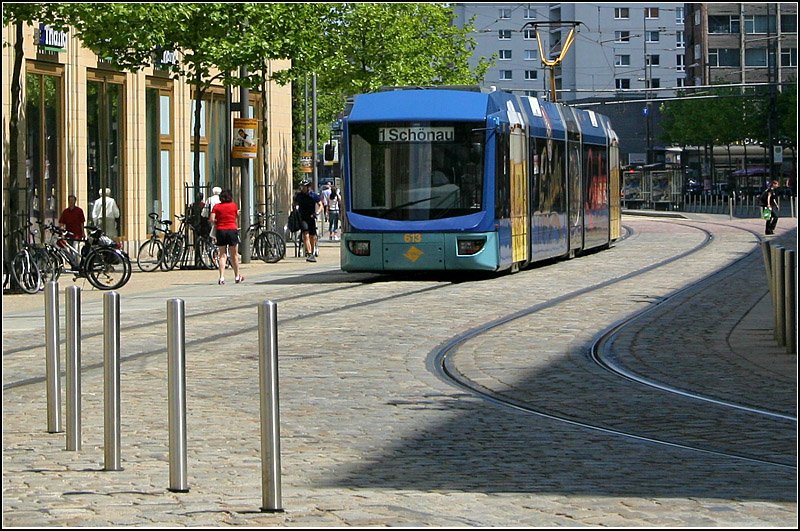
416	171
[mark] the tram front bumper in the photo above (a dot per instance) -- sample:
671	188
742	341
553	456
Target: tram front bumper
418	252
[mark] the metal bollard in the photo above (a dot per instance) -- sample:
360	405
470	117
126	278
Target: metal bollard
52	357
730	208
778	275
73	324
111	409
270	410
791	302
176	386
766	253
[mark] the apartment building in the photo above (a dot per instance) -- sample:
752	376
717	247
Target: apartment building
741	43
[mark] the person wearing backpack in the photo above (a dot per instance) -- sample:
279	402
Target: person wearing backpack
769	199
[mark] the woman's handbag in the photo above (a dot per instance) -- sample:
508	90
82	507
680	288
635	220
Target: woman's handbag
766	212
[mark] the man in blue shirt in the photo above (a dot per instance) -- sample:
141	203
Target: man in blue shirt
308	203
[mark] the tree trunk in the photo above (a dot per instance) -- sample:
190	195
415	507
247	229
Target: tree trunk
13	140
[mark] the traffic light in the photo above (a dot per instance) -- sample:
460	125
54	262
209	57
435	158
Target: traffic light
331	152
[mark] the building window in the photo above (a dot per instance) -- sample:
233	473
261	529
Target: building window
652	60
530	13
723	57
104	127
530	75
652	36
622	84
789	22
759	24
789	57
680	82
529	35
757	57
680	39
531	55
504	35
505	13
43	146
652	83
622	36
651	12
680	62
679	15
622	60
506	75
622	13
505	55
723	24
531	93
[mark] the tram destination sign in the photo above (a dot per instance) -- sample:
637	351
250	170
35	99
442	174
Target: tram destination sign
416	134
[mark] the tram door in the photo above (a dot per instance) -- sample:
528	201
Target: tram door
613	190
519	195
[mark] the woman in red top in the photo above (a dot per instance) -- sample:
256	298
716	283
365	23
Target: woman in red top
223	216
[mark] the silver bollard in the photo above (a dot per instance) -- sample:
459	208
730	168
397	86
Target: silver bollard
111	384
766	253
270	410
730	208
791	302
52	357
778	275
176	384
73	324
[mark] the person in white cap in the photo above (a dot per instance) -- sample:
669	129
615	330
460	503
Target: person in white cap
213	200
105	213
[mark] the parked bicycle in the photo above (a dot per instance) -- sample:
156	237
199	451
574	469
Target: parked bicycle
23	268
159	251
265	243
99	261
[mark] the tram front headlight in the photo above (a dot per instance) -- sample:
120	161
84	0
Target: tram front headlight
358	247
468	247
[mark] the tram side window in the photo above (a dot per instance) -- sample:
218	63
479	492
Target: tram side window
502	176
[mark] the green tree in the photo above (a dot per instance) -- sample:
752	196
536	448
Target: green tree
365	46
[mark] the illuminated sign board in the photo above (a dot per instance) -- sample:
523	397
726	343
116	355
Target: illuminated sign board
416	134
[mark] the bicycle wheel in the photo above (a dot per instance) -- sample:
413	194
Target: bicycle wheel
271	247
173	251
209	253
149	256
25	272
48	268
107	268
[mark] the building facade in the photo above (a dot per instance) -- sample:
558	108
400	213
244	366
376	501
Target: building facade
87	126
741	43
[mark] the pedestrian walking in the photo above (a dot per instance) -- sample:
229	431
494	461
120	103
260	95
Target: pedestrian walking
105	213
224	217
309	203
771	202
73	219
206	212
334	204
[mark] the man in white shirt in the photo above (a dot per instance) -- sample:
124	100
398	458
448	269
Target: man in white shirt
105	213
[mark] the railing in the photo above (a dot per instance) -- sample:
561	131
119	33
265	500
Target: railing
735	205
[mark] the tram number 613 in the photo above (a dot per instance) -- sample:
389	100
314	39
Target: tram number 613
412	238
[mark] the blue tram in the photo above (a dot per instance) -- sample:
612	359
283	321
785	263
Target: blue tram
459	179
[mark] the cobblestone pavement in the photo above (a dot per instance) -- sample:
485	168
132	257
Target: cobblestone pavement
371	436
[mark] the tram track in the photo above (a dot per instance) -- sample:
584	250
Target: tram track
442	362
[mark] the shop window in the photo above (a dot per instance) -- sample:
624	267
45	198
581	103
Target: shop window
105	126
43	143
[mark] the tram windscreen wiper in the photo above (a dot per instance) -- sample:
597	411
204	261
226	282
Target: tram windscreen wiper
404	205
